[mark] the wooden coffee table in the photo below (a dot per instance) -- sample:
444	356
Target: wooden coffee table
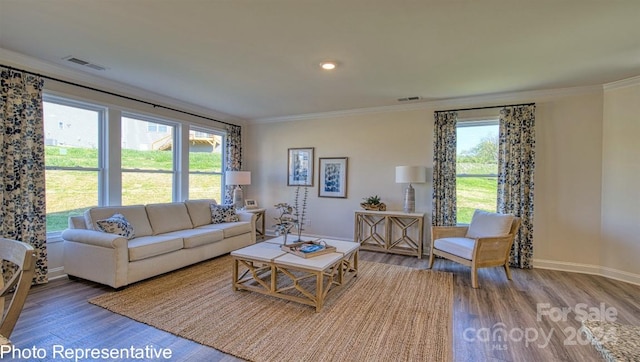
264	268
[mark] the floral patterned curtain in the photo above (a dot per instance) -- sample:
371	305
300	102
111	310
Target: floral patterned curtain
444	169
516	163
233	157
22	182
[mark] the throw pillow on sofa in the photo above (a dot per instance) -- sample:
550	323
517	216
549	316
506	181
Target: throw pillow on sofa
116	224
223	213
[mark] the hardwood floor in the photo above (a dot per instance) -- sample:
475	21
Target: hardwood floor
500	321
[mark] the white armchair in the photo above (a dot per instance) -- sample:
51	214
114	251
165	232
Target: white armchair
486	242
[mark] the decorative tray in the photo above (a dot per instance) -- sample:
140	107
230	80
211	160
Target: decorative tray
308	249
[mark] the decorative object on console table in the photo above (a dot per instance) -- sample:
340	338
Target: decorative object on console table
250	204
390	232
300	167
410	174
373	203
333	177
238	178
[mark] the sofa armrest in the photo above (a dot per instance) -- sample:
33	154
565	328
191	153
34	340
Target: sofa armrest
251	218
96	238
247	216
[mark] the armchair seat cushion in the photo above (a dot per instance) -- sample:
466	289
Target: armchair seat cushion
462	247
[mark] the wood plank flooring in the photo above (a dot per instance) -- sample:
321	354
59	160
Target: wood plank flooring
500	321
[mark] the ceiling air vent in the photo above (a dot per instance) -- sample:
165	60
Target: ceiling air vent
84	63
407	99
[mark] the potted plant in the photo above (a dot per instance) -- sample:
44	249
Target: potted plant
373	203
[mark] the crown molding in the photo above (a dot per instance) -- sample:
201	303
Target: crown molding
629	82
443	104
35	65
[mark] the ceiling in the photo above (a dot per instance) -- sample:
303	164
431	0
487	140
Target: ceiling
258	60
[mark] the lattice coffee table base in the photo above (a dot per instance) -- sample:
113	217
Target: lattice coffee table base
308	285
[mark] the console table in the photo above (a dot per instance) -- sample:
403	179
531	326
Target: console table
390	231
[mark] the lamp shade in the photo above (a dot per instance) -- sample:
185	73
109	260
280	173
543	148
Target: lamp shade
238	177
411	174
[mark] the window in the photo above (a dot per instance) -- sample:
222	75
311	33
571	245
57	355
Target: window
148	170
72	158
476	167
81	172
205	164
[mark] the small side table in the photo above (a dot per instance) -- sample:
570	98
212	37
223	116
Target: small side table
260	229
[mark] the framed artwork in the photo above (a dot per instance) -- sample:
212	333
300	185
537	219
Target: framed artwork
250	204
332	177
300	167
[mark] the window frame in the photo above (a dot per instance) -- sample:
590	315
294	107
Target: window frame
100	169
223	134
474	122
176	150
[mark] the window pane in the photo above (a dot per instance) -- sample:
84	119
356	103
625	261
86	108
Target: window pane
475	193
205	186
71	136
205	152
477	150
69	193
144	149
205	156
146	188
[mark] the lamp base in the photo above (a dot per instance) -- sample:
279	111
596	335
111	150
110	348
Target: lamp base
238	198
409	200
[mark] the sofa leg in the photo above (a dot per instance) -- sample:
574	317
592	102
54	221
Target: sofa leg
431	259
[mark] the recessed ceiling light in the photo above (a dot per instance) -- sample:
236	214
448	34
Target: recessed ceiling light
328	65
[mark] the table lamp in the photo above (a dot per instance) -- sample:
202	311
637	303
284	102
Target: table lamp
238	178
410	174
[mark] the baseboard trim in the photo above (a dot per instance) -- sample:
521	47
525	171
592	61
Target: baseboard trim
56	273
588	269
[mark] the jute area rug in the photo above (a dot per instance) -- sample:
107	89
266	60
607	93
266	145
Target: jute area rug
387	313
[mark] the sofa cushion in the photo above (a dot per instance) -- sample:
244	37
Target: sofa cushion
200	211
149	246
168	217
197	237
462	247
230	228
489	224
136	215
223	213
116	224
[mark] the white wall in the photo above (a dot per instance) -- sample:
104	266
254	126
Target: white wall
374	144
568	181
620	237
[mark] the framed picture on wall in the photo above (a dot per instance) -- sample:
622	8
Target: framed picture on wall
332	179
300	167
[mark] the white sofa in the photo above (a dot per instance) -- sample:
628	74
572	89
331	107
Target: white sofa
166	237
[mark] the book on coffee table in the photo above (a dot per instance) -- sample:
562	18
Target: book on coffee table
308	249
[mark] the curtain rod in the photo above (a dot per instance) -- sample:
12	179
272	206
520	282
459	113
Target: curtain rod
154	105
488	107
